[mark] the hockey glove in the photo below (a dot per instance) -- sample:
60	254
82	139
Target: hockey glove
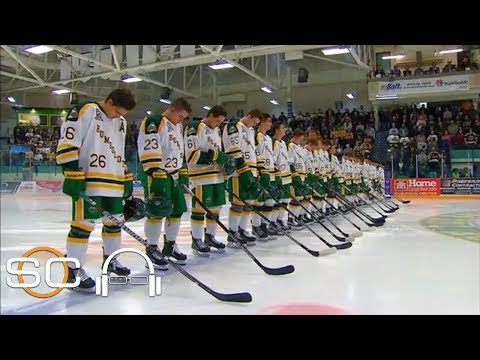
74	183
254	189
229	166
134	209
278	181
220	157
265	181
311	179
297	182
160	185
128	185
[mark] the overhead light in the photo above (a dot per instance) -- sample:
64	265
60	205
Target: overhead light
350	96
130	79
219	65
386	97
40	49
61	91
165	101
149	112
335	51
450	51
11	99
399	56
274	102
267	89
207	107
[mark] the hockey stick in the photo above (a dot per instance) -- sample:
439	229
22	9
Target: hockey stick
369	204
402	201
324	216
271	271
317	220
312	252
235	297
343	246
369	192
346	218
354	210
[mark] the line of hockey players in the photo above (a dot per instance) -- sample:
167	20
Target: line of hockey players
241	162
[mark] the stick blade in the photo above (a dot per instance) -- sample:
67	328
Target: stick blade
279	271
243	297
327	252
343	246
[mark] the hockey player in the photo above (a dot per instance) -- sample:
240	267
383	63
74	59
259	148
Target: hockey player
239	142
161	152
311	176
283	175
320	176
207	164
266	169
298	167
91	151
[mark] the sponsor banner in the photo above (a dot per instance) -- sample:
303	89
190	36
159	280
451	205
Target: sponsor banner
423	85
414	187
460	186
48	186
9	187
137	188
26	187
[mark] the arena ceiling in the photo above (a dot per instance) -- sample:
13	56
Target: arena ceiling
183	70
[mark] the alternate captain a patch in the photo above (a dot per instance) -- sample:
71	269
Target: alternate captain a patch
98	115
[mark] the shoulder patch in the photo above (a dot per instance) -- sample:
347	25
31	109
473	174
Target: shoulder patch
193	127
151	124
232	129
73	114
151	128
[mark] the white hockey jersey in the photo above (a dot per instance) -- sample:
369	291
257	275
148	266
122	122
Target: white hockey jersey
321	167
347	171
310	162
160	145
199	139
264	149
98	144
298	155
239	142
282	161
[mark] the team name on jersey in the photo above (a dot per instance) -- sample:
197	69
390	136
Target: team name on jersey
106	140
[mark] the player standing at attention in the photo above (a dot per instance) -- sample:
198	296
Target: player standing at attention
161	152
91	152
260	226
207	167
239	142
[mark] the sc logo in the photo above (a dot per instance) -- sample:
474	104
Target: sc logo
154	282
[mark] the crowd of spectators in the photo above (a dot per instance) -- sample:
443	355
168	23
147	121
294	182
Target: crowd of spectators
424	131
351	132
426	134
41	142
397	71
